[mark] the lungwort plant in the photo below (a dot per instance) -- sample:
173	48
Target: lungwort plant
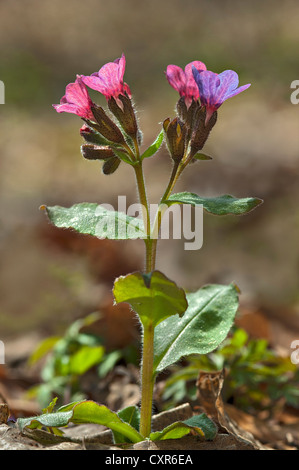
174	324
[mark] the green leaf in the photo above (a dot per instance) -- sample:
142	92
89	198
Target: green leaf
43	348
202	156
73	330
109	362
122	154
48	419
152	296
199	425
130	415
82	412
51	406
204	325
94	219
221	205
85	358
154	147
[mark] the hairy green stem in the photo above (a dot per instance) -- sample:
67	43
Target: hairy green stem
143	199
147	381
147	376
176	172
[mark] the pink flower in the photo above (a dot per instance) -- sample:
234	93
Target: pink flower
109	80
76	100
183	80
214	89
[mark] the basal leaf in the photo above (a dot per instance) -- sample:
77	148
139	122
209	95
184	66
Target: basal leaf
198	425
153	297
204	325
94	219
130	415
154	147
48	420
221	205
82	412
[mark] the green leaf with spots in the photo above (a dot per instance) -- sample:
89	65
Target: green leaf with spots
221	205
82	412
96	220
205	324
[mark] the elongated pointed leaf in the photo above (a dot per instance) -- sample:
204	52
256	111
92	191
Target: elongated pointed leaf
94	219
202	156
130	415
82	412
221	205
153	297
204	325
199	425
154	147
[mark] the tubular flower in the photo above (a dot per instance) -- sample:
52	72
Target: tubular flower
76	100
109	80
183	81
215	88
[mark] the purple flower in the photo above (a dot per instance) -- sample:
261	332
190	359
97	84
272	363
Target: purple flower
183	82
214	89
76	100
109	80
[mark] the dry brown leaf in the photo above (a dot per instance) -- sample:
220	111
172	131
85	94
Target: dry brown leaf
209	386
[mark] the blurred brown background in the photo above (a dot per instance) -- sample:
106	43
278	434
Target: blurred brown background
48	276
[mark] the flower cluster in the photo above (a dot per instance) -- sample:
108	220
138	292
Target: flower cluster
105	140
201	92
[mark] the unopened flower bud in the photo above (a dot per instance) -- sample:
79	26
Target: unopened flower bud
105	126
92	152
188	115
175	131
125	114
111	165
166	123
182	109
92	137
201	131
